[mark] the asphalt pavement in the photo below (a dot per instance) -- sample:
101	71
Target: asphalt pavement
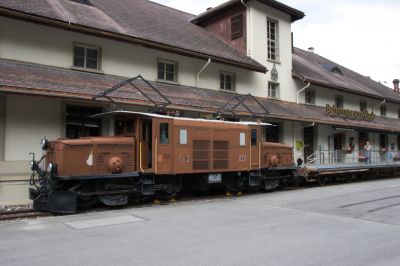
348	224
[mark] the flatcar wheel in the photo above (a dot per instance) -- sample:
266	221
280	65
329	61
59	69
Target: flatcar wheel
322	180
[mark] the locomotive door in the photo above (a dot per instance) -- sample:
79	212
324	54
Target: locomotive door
145	144
163	151
254	148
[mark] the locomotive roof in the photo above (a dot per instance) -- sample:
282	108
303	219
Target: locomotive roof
115	113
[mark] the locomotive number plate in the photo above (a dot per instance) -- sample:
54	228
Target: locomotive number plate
214	178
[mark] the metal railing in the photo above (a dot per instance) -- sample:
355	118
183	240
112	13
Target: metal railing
353	157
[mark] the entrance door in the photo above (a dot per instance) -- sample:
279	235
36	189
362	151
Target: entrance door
362	140
146	142
308	142
338	146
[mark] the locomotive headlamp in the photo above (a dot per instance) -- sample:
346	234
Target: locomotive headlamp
50	167
44	143
32	165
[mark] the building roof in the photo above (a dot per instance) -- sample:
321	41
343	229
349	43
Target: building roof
137	21
294	13
33	79
321	71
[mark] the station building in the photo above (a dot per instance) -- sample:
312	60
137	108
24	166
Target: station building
236	58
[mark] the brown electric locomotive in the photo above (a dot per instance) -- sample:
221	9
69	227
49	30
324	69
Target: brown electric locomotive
156	156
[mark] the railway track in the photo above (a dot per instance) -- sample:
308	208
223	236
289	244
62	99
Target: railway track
182	199
22	214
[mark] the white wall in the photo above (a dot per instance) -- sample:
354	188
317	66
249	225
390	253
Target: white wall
28	120
324	96
257	32
49	46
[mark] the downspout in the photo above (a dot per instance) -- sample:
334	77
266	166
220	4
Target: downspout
201	71
297	93
248	28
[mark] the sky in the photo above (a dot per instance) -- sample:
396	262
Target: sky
359	34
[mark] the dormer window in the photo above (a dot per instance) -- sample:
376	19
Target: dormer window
336	70
236	27
83	2
339	101
86	56
309	96
227	81
167	70
363	106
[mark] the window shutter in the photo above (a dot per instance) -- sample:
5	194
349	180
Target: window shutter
236	27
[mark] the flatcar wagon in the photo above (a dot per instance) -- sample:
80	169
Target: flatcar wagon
156	156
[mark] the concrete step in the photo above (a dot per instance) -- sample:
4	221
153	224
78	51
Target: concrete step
14	190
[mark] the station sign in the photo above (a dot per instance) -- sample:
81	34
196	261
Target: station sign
350	114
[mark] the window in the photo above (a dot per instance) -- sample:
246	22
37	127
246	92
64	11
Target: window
310	96
363	106
273	90
339	101
236	27
337	70
272	133
272	38
79	122
86	56
254	137
242	139
383	110
183	136
124	127
164	139
83	2
166	70
227	81
383	141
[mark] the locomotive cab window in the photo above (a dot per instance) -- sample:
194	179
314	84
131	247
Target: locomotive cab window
242	139
254	137
124	127
164	134
183	136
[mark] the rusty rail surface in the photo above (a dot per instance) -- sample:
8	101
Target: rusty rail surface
22	214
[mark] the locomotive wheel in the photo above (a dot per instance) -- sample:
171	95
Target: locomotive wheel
87	202
270	185
322	180
111	199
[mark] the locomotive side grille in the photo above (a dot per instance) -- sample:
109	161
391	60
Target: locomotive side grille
201	145
221	154
201	154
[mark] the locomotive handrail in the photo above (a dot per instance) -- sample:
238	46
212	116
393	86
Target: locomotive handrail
312	158
348	156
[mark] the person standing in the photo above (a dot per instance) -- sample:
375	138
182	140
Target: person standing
367	151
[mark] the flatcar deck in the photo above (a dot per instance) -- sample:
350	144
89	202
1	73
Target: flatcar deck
349	167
